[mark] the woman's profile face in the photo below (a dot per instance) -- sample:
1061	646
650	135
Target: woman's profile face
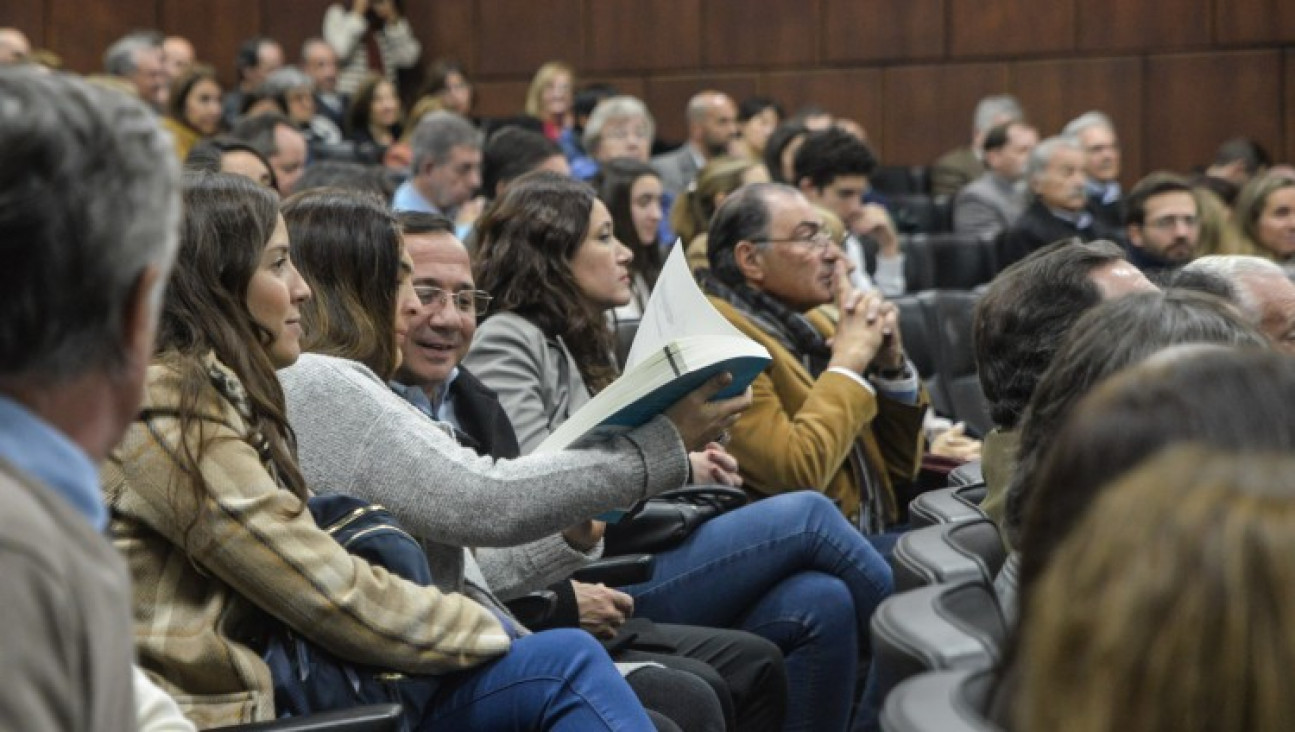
274	298
1276	226
407	304
601	265
645	208
384	111
202	107
457	95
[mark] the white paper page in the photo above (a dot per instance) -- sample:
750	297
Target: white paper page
676	309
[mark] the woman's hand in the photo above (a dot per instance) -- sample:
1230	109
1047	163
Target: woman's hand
700	420
714	466
583	536
953	443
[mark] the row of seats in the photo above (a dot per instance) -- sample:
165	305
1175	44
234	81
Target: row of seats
919	213
936	639
936	326
948	261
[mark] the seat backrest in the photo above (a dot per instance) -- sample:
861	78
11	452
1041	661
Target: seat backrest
919	268
949	552
626	329
941	506
969	473
914	213
900	179
940	701
938	627
943	205
921	343
962	261
952	312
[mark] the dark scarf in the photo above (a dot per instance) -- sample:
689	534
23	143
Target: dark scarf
792	330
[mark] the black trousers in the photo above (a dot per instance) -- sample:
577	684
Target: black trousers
745	671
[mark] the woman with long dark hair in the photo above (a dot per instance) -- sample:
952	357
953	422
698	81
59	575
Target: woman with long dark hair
549	257
209	508
632	192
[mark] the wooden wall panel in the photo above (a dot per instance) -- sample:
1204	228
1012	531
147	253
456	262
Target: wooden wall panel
634	86
81	31
668	97
649	35
1011	27
759	33
913	30
1253	21
216	31
1055	92
500	98
289	23
444	29
1196	101
1289	108
928	109
516	37
27	16
1120	25
853	93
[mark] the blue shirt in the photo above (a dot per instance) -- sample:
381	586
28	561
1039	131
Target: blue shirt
442	410
407	198
36	448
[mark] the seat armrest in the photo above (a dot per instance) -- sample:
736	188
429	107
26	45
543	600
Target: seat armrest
534	609
628	569
373	718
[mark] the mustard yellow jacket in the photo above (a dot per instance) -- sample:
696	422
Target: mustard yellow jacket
799	432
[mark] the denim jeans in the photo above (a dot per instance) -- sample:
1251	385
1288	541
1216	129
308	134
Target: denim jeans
555	680
791	569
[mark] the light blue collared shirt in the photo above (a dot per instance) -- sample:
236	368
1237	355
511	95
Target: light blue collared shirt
407	198
36	448
442	411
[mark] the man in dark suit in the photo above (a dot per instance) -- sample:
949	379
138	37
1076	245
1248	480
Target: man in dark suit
1055	174
319	61
712	125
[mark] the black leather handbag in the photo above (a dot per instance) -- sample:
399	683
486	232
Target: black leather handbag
664	521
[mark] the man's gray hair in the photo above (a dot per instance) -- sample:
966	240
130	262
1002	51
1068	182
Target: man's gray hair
990	112
744	216
1043	152
437	134
1086	120
88	199
284	79
122	57
1235	269
618	107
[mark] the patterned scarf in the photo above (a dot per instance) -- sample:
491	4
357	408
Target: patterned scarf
792	330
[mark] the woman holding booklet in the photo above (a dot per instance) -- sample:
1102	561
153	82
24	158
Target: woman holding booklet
789	568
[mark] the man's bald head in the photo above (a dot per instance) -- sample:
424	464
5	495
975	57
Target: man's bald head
14	46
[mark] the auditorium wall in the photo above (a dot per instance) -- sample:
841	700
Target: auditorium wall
1178	76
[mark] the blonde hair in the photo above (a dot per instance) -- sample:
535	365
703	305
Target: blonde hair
543	77
695	207
1170	606
1250	207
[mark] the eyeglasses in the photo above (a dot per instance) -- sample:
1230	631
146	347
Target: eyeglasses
816	237
625	133
468	302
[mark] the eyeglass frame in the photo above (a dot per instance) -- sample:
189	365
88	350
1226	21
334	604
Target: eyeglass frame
818	241
478	300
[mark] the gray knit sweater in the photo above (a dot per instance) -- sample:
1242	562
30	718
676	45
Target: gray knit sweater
355	436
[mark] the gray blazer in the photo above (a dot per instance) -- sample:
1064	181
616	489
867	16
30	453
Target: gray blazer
677	168
987	206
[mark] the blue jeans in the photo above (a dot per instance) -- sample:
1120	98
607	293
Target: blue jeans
555	680
788	568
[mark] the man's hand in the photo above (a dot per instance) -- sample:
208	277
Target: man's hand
874	221
859	331
953	443
890	356
602	609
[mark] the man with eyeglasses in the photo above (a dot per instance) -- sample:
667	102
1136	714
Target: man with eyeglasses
1162	223
430	376
840	408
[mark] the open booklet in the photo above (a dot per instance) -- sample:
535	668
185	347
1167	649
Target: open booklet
681	343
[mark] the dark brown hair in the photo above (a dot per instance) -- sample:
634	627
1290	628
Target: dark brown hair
347	246
615	186
227	221
183	86
525	243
